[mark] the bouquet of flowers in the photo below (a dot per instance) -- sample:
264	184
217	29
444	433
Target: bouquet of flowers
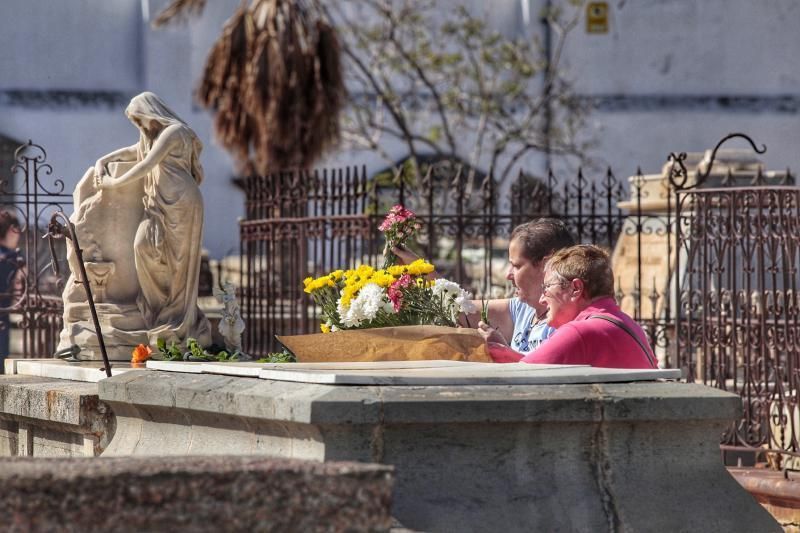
399	295
399	225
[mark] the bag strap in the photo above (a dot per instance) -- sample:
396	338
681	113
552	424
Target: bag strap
647	353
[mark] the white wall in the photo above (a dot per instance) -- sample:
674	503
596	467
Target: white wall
695	55
689	47
69	44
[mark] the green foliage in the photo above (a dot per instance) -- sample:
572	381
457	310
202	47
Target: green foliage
168	353
278	357
485	312
195	352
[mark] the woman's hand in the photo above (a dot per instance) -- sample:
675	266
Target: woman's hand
404	255
490	334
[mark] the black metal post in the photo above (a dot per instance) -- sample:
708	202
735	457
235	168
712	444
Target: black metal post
56	230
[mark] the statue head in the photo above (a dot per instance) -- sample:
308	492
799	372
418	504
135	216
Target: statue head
146	108
151	115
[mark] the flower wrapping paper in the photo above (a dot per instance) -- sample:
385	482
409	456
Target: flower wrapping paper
400	343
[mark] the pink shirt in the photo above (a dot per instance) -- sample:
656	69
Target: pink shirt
588	341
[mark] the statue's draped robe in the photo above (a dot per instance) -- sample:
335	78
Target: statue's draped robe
167	248
168	239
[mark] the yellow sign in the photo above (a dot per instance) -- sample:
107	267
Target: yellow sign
597	17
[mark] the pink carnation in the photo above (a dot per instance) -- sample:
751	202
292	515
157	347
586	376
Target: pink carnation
397	215
395	291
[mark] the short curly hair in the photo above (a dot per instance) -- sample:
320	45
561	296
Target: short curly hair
542	237
586	262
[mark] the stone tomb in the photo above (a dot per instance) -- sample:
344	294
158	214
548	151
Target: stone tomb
603	450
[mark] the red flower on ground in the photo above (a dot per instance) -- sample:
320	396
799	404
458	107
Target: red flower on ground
141	353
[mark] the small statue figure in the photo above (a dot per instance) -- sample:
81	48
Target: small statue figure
231	325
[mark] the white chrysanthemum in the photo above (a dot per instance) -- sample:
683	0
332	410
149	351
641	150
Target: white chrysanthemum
364	307
445	287
464	302
352	318
341	309
455	299
371	298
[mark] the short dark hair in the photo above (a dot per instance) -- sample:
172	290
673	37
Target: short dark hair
586	262
7	221
542	237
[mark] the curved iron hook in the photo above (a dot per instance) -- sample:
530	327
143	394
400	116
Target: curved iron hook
678	177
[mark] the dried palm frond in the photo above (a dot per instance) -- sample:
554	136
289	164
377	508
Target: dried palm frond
177	10
274	81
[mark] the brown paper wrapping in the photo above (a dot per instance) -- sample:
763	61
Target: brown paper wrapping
401	343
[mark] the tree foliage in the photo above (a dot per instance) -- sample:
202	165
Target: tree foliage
443	82
274	82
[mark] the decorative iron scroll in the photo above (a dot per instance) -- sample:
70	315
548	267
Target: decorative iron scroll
679	175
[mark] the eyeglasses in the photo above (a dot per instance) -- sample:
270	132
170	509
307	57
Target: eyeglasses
546	286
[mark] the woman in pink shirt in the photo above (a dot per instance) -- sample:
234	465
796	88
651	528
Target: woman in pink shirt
591	329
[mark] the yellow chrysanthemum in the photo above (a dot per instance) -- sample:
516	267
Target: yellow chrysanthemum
382	278
325	328
397	270
420	267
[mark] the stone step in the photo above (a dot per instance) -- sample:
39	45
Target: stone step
193	493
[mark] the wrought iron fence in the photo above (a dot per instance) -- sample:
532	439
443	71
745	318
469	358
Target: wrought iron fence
29	294
307	223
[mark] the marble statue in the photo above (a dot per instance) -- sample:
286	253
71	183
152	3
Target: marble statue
139	219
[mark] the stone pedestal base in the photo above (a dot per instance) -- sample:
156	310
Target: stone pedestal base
122	326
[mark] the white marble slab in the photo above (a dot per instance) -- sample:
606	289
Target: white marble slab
244	369
186	367
253	369
374	365
519	374
87	371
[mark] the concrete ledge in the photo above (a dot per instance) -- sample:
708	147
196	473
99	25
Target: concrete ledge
45	417
310	403
222	493
617	457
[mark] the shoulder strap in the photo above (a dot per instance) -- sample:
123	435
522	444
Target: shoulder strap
647	353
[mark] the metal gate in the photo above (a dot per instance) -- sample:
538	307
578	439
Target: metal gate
739	322
33	297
